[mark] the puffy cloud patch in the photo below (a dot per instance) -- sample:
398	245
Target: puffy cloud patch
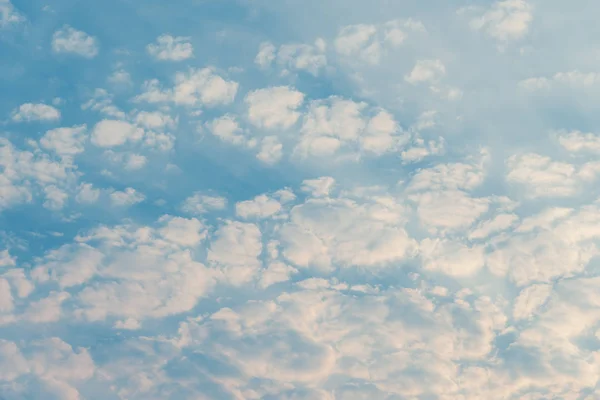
335	123
540	176
9	15
274	107
505	20
70	40
111	133
169	48
35	112
369	42
127	197
294	57
65	141
194	88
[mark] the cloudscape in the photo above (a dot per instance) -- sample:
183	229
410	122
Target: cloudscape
299	200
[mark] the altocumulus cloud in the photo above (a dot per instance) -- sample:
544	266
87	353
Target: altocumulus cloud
347	204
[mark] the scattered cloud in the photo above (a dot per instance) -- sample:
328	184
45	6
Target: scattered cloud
70	40
35	112
169	48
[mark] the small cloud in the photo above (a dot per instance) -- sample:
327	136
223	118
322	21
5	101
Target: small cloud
128	197
9	15
426	71
111	133
120	77
70	40
35	112
169	48
505	20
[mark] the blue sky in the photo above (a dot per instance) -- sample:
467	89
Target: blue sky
299	200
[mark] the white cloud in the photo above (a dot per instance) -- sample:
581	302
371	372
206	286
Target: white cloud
171	48
369	43
235	251
148	271
326	232
129	161
65	141
498	223
199	203
573	79
426	71
182	231
35	112
555	243
530	300
86	193
420	149
8	14
55	197
274	107
228	129
128	197
271	150
542	177
102	101
505	20
70	40
451	258
294	57
155	120
50	367
197	87
265	55
6	260
318	187
111	133
576	142
261	206
120	77
334	124
25	174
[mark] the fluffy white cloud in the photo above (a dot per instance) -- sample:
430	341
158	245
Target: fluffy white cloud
318	187
87	193
193	88
199	203
25	174
235	251
530	300
345	232
271	150
171	48
573	79
274	107
125	198
260	207
35	112
540	176
50	367
111	133
310	58
120	77
576	142
8	14
426	71
65	141
228	129
334	124
155	120
70	40
505	20
148	271
369	42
